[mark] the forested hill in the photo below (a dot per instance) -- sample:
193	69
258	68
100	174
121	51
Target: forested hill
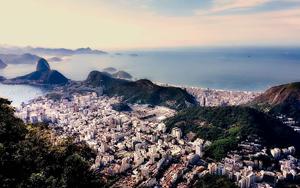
226	126
29	157
141	91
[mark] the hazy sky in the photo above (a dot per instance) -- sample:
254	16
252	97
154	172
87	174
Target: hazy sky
107	24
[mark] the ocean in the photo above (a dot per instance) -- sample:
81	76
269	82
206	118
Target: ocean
243	69
20	93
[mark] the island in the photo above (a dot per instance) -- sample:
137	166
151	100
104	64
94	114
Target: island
42	76
122	75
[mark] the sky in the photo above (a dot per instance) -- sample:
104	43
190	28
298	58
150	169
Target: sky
136	24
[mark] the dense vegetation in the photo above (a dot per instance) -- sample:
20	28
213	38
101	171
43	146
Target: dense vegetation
226	126
211	181
141	91
31	156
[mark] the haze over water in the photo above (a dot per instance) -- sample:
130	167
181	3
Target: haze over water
249	69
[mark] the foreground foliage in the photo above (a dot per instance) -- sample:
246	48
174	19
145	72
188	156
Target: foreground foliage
31	156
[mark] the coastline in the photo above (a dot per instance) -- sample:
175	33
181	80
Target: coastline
202	88
203	96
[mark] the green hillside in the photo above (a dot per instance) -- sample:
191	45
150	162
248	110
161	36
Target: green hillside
141	91
226	126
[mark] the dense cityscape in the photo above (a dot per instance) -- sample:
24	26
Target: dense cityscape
150	94
133	143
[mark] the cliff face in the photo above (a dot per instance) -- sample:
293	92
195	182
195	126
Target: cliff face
283	99
141	91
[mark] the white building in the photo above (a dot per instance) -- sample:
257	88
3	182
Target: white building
176	132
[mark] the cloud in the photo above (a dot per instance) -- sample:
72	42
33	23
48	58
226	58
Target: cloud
223	5
246	6
99	24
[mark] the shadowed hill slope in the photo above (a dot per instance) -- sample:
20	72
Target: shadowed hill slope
141	91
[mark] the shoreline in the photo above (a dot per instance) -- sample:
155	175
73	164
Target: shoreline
47	86
203	96
207	89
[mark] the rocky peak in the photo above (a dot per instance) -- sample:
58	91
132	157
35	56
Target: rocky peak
42	65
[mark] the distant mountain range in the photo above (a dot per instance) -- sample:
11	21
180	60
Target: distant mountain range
282	99
26	58
141	91
64	51
42	76
2	64
49	51
26	55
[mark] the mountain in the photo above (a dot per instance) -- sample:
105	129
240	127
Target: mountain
141	91
48	51
122	75
26	58
43	75
282	99
88	51
227	126
2	64
64	51
42	65
118	74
